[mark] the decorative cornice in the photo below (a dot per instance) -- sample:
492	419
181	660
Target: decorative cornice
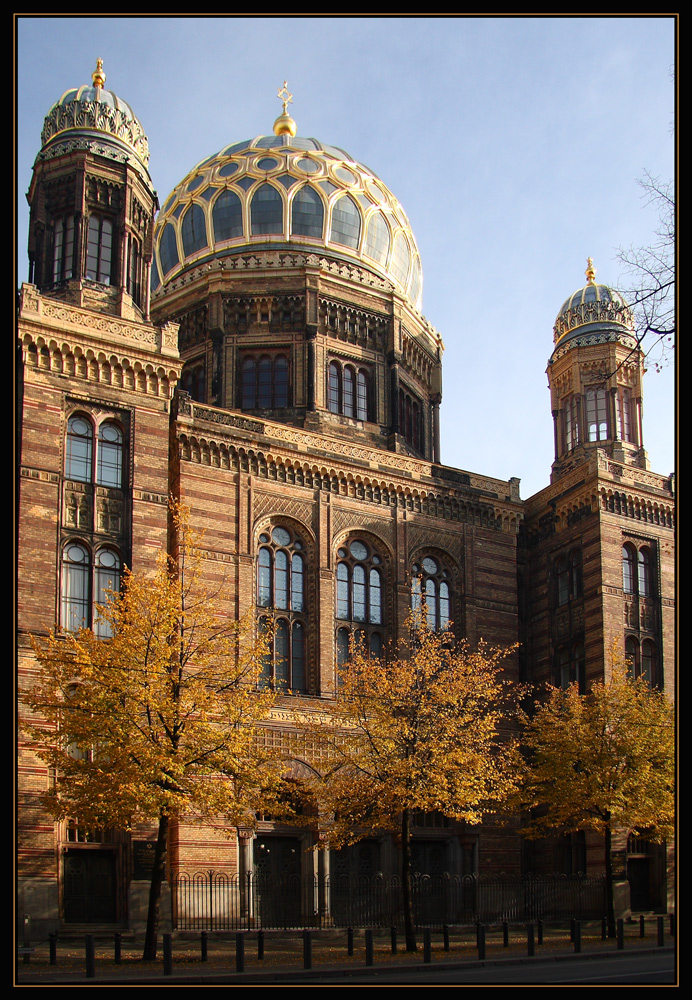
99	117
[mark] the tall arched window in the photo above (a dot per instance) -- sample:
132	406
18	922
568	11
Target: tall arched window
410	419
107	581
597	414
281	588
79	445
110	456
360	597
629	578
75	605
571	666
644	572
431	592
99	249
63	248
348	390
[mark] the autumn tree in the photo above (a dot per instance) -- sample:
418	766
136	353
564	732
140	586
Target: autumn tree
601	761
423	728
158	718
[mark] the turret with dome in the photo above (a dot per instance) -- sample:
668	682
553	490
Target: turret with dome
595	375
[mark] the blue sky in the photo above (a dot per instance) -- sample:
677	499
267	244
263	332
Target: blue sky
513	144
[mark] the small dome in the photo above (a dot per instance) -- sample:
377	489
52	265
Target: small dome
282	190
593	307
90	116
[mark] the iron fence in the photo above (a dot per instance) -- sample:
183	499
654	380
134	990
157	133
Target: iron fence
220	901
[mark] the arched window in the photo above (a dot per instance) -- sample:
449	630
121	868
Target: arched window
227	217
360	597
99	249
78	449
110	456
628	569
571	422
281	587
193	381
624	415
410	419
63	248
346	223
79	452
107	581
431	592
75	605
597	414
568	577
265	382
348	390
570	667
168	248
644	572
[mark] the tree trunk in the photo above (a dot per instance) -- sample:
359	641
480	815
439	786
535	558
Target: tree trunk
610	903
409	928
157	878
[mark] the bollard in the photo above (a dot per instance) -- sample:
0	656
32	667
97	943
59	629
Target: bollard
577	936
481	942
117	947
672	925
349	940
369	955
530	949
505	934
539	927
27	939
427	948
620	933
392	935
642	926
240	952
167	954
445	937
260	944
307	950
203	946
659	931
604	929
90	956
53	947
571	928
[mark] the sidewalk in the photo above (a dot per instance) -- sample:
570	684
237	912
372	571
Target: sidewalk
283	956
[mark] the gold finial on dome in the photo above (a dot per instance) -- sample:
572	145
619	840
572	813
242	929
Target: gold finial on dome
284	124
98	76
590	271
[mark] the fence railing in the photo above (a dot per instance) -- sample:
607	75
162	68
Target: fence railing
219	901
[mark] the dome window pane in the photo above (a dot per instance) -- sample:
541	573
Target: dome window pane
401	258
168	249
346	223
307	214
228	169
227	217
378	238
267	211
267	163
194	230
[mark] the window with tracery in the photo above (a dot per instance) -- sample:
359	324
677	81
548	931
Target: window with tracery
63	248
570	666
410	419
194	382
84	585
597	414
642	660
79	452
637	570
349	390
281	588
359	598
431	592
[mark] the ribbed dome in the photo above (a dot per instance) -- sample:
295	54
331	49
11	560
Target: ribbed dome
93	118
278	191
592	307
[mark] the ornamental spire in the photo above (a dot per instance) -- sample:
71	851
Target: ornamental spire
284	124
98	76
590	271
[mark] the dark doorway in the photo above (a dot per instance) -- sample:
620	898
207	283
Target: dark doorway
638	878
90	887
277	881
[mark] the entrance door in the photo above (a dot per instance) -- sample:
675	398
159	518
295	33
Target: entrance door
90	887
277	881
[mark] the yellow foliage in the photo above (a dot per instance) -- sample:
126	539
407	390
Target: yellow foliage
160	718
602	760
427	730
